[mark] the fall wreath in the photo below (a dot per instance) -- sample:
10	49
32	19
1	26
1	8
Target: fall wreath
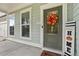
52	18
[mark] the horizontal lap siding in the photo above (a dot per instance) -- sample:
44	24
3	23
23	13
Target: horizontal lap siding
73	14
35	20
69	12
35	24
76	17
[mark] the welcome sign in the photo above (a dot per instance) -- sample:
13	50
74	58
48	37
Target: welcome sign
69	41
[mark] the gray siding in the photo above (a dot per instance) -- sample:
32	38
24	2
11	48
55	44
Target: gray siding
73	14
35	24
76	17
69	12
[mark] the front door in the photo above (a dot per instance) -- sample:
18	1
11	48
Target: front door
53	28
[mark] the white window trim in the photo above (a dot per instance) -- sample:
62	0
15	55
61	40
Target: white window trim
23	11
9	26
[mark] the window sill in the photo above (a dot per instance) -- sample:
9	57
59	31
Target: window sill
11	36
26	38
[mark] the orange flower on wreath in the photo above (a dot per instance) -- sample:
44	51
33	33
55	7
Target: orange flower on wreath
52	18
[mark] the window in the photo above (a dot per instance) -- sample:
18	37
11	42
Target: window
11	24
25	23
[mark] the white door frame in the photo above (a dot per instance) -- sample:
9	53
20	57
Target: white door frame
64	19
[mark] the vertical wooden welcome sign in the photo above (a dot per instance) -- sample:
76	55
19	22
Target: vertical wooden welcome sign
70	38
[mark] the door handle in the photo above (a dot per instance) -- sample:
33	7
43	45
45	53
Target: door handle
42	26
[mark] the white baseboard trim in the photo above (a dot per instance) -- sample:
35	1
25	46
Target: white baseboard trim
25	42
52	50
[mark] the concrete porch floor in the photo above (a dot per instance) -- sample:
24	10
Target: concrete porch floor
10	48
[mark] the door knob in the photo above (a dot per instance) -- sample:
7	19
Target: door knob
42	26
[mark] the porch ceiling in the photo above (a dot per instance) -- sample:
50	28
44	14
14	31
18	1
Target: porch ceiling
10	7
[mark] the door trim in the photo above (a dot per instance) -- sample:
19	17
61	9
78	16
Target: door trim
64	19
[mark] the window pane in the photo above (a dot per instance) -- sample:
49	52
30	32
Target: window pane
25	31
25	18
11	30
11	24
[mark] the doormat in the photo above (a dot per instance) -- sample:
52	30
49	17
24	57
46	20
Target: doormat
48	53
